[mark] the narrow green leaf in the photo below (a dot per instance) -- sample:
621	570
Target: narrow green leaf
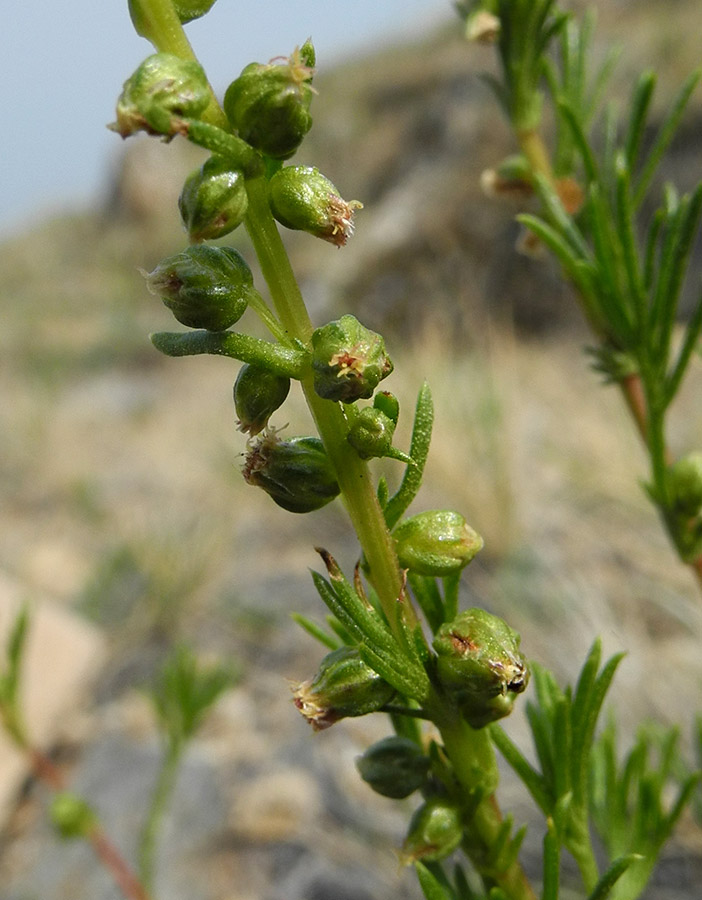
612	875
316	631
580	138
690	341
551	863
419	451
280	360
431	887
627	237
665	136
533	781
561	219
640	105
383	492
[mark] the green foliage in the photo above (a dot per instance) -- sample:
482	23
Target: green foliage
183	693
10	679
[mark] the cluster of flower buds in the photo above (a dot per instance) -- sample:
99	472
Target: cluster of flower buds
303	199
204	287
162	91
213	201
296	473
344	686
394	767
349	361
268	104
436	542
480	666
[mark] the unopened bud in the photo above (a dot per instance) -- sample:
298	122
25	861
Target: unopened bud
296	473
685	480
436	542
435	831
204	287
349	360
344	686
479	664
258	393
394	767
213	201
71	816
164	89
483	27
268	105
303	199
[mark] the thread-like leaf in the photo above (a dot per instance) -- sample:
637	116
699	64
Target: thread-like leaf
533	781
316	631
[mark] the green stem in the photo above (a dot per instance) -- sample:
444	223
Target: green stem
352	473
154	819
161	26
473	759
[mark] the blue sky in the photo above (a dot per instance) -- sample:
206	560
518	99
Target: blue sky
63	64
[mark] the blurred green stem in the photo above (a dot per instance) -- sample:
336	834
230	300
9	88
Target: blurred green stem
160	799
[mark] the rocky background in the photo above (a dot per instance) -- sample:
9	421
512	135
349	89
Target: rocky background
126	522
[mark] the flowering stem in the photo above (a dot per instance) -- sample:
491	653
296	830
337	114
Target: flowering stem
352	472
159	801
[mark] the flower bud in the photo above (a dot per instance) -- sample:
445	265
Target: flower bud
685	480
344	686
480	665
257	394
483	27
213	201
435	831
164	87
437	542
71	815
371	434
204	287
348	360
268	105
296	473
303	199
394	767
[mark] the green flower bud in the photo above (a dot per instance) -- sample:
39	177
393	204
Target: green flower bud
371	433
71	816
437	542
204	287
163	90
685	481
344	686
348	360
268	105
213	201
480	665
303	199
435	831
296	473
394	767
257	394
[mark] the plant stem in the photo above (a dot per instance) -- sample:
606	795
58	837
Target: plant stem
473	759
130	886
154	819
352	472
